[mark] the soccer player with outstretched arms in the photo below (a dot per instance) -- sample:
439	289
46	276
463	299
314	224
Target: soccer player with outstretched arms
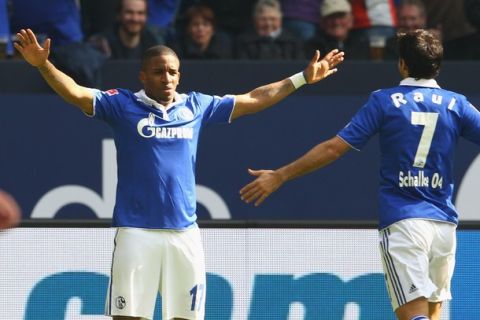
157	244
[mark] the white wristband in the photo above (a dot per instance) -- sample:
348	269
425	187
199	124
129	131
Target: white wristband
298	80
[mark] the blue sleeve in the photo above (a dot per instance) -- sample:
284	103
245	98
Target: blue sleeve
364	124
107	105
470	123
216	109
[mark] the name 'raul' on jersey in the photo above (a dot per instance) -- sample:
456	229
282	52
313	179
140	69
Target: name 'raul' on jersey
429	120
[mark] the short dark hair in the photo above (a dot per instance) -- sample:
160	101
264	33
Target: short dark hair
422	52
155	51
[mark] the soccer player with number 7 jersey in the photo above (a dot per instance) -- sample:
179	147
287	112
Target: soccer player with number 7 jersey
418	124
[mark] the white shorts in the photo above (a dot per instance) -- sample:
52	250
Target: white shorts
146	262
418	258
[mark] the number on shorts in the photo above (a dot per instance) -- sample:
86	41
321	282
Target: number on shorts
429	121
197	292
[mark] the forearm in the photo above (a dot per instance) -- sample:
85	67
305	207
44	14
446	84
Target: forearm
262	97
318	157
61	83
65	86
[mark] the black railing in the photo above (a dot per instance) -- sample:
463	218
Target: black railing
247	224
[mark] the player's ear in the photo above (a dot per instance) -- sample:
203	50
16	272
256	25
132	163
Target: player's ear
402	68
141	76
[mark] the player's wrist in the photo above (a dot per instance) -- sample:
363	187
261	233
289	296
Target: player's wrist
298	79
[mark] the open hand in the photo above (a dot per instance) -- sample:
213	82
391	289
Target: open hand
266	183
319	69
31	51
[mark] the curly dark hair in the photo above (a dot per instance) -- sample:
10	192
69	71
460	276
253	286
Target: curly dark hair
422	52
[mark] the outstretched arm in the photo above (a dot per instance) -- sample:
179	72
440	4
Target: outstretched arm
66	87
267	95
268	181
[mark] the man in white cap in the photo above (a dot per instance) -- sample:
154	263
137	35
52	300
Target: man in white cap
335	24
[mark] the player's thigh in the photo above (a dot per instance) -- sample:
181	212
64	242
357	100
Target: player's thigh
183	283
404	248
135	274
442	261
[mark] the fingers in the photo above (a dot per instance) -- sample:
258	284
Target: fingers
334	57
247	190
21	37
337	58
31	36
330	72
255	173
46	44
18	47
261	199
253	192
252	195
315	57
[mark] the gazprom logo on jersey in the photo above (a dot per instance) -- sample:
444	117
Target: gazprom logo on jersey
146	128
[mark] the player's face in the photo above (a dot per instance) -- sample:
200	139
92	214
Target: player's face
160	77
200	30
267	21
411	18
337	25
133	16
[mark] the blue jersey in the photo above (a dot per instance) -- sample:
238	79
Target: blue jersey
156	153
418	124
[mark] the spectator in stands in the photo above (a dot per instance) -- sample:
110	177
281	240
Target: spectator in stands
458	34
130	37
412	15
201	40
60	21
233	16
268	40
374	19
300	17
336	23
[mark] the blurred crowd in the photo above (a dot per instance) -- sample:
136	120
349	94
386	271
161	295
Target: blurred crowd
85	33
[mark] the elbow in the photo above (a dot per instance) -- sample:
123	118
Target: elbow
335	149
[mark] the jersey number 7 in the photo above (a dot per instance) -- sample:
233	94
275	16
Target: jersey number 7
429	121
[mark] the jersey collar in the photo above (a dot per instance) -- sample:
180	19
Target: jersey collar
428	83
141	96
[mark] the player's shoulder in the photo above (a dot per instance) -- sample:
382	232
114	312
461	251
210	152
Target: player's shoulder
118	93
198	98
